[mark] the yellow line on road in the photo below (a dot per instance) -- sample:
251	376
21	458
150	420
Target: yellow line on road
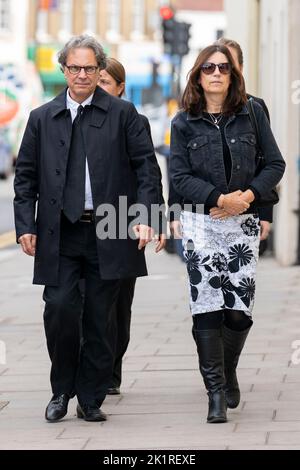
7	239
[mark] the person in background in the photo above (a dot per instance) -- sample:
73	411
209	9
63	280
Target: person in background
213	164
112	79
265	213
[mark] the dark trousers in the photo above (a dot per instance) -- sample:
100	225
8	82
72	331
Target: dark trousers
83	369
120	328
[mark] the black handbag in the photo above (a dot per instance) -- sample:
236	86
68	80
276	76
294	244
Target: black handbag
271	198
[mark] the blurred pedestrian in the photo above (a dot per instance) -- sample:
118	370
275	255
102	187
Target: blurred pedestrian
265	213
113	79
213	163
83	149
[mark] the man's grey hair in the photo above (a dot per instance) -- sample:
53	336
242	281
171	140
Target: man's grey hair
83	41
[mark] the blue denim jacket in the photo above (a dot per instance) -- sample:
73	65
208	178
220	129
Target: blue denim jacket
196	159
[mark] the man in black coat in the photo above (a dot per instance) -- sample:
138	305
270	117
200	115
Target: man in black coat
80	153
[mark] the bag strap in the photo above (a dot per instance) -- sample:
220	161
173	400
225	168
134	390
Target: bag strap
252	116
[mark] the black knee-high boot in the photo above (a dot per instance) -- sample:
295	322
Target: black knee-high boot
233	344
211	362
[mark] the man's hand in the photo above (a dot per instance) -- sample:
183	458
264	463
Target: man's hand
28	243
175	229
265	229
144	233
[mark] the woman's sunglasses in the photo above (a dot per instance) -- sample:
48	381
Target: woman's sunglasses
208	68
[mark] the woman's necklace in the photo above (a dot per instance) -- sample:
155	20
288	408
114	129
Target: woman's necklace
216	120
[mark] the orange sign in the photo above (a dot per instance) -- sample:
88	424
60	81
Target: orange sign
8	109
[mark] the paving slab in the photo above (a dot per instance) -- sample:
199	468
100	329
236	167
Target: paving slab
163	404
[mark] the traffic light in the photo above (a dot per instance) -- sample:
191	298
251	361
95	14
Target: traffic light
168	28
166	13
182	33
169	37
175	33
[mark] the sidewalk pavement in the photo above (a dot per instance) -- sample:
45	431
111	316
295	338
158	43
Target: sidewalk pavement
163	403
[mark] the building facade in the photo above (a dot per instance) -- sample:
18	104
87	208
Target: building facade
127	29
13	33
269	33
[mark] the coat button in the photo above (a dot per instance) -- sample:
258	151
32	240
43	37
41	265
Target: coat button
232	141
194	145
62	143
238	167
51	231
53	201
57	171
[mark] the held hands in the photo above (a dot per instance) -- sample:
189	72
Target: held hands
28	243
234	203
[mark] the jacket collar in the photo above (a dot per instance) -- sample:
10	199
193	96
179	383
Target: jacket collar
190	117
100	100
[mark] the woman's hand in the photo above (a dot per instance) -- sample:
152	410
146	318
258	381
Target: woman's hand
217	213
248	196
234	203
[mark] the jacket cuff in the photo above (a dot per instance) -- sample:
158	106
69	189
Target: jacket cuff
266	213
213	197
255	192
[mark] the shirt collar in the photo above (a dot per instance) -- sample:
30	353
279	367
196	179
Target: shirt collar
74	105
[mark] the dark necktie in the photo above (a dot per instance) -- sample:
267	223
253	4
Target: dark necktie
74	192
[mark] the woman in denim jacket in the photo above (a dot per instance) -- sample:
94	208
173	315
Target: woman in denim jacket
213	168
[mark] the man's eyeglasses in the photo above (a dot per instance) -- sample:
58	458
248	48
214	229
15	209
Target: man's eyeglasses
208	68
75	69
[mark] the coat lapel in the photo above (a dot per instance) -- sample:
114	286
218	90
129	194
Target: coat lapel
100	103
97	139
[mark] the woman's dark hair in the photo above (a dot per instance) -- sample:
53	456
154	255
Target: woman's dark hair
193	99
116	70
235	45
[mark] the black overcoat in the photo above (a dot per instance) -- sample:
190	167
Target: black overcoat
121	162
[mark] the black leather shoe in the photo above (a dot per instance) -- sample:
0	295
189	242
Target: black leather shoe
90	413
113	391
57	407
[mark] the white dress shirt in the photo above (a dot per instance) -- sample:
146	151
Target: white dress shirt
72	106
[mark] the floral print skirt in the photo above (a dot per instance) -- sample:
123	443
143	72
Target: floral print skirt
221	258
